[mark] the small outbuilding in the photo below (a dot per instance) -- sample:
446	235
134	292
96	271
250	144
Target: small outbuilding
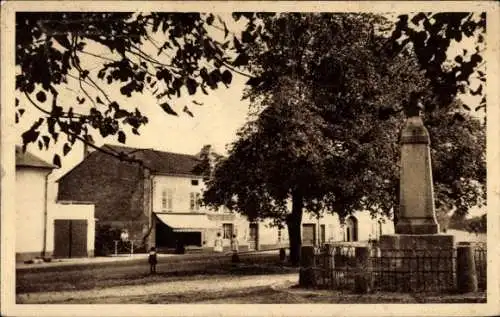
45	228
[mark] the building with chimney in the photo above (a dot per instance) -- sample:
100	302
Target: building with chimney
154	196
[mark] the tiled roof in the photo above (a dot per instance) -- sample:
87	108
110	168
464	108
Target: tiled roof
160	161
29	160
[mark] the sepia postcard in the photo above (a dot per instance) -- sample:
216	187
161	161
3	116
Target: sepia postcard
249	158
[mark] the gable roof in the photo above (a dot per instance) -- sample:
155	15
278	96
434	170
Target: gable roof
159	161
26	159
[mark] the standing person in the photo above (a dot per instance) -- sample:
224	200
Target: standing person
152	260
234	248
218	243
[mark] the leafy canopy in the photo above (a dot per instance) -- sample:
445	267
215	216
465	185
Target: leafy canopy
169	54
322	80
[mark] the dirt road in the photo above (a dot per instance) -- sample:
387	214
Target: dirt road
212	284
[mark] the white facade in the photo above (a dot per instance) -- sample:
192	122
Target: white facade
176	194
36	211
69	211
31	191
334	230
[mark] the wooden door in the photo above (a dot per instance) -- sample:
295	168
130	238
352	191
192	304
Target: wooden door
61	239
70	238
308	234
78	238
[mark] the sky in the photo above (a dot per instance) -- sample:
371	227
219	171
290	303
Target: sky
215	122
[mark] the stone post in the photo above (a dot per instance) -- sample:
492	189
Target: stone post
363	280
466	269
307	277
330	263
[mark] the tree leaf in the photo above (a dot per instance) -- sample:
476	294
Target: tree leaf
41	96
56	160
46	141
121	137
210	19
186	110
63	40
241	60
66	149
227	77
166	107
191	85
120	113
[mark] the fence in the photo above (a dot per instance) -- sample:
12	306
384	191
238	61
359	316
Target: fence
127	247
344	266
480	260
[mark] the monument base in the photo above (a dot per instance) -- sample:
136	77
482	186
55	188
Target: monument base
418	262
417	241
419	226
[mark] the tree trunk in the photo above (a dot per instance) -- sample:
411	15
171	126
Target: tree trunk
293	222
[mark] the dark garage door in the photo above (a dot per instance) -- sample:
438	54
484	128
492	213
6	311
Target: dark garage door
70	238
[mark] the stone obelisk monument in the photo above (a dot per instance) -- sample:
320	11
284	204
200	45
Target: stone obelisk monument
417	226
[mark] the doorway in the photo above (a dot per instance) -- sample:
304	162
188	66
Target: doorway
309	234
70	238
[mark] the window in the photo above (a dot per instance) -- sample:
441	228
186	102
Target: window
227	229
166	199
194	201
352	229
194	182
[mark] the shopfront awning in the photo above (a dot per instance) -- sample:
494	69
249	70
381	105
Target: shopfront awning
186	222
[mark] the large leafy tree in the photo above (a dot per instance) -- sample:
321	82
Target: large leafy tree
169	54
319	138
320	82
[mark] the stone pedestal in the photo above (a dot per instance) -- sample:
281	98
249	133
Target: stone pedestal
416	205
419	262
426	242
